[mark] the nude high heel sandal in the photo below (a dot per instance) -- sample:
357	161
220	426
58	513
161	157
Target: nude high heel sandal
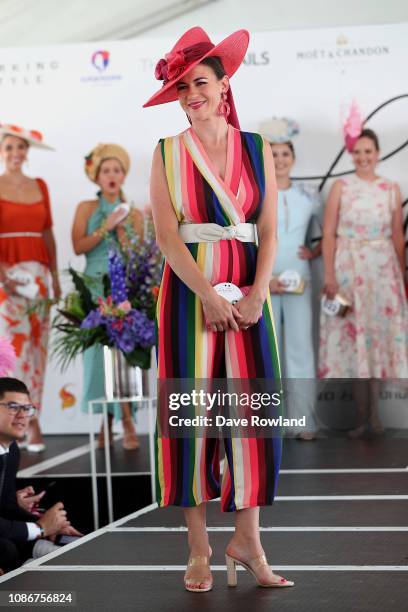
192	584
251	567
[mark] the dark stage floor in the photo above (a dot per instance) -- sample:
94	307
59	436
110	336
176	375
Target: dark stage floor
69	455
339	528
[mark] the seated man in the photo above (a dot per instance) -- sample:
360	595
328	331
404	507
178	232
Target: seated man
19	529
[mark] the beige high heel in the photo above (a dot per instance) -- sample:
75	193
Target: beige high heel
251	567
199	560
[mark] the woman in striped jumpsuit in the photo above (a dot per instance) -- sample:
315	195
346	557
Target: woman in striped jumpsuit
212	187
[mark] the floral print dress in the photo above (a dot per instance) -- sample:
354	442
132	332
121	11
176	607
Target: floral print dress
371	341
26	321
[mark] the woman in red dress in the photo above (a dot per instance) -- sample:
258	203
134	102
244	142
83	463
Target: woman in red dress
27	259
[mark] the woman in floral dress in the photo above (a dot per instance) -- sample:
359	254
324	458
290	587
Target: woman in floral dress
28	260
363	251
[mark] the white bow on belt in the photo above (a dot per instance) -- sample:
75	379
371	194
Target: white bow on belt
212	232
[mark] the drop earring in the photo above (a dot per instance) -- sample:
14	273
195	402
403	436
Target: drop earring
224	107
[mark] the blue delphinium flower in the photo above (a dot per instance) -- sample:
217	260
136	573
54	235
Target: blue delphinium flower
117	274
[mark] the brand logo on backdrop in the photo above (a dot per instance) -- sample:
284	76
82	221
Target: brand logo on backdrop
27	72
252	58
257	59
100	60
67	398
343	49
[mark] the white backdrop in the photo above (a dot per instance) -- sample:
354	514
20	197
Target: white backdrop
76	101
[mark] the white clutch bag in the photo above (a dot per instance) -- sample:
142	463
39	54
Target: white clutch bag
292	282
124	210
338	307
229	292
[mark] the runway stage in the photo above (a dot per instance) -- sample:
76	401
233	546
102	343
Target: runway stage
339	528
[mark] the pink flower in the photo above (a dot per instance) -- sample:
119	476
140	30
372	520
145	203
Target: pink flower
105	306
383	186
352	127
176	63
7	357
170	67
161	70
125	306
359	281
388	311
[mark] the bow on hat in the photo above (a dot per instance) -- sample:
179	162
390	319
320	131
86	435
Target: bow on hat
176	62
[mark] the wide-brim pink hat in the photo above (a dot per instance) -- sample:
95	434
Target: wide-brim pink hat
190	50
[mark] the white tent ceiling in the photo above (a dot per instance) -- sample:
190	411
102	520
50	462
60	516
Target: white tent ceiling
45	22
28	22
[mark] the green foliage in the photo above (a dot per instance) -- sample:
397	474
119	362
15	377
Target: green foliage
85	295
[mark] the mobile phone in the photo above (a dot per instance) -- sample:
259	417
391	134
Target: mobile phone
47	490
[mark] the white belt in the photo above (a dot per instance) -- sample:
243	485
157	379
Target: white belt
21	235
212	232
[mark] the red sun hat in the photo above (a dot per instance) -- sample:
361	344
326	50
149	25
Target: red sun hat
190	50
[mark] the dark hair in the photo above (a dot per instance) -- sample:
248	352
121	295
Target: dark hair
216	64
367	133
288	143
12	385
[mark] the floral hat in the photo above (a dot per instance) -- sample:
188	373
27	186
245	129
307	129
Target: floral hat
278	130
105	151
32	137
190	50
353	126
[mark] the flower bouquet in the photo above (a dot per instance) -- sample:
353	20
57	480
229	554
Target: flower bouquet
123	317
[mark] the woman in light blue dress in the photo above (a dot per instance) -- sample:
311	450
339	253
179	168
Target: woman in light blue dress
107	165
298	207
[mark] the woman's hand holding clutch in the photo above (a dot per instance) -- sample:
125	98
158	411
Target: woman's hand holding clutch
330	287
250	309
219	314
275	286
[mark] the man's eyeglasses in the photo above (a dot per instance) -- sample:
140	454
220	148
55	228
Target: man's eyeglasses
14	408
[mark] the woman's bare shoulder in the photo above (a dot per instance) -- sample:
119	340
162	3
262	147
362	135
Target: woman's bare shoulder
86	207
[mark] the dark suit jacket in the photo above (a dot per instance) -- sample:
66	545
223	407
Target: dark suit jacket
13	519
